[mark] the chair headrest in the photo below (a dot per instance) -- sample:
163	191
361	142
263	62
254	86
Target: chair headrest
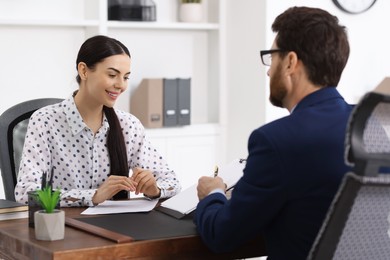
367	143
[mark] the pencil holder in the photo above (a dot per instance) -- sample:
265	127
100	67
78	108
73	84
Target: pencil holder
33	206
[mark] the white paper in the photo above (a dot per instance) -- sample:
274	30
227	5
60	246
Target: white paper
14	215
135	196
121	206
232	172
186	201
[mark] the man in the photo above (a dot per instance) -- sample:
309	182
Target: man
295	164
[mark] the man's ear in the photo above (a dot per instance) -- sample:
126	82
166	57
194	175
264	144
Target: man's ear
292	60
82	70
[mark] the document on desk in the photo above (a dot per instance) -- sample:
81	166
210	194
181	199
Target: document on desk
122	206
185	202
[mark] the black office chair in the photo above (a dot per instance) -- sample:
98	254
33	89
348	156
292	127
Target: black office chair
357	225
13	126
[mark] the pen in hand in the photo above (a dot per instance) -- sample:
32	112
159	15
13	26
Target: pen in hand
215	171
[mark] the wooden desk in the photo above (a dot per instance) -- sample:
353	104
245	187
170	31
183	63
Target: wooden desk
17	241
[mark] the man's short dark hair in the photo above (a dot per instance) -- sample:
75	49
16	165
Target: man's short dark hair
318	39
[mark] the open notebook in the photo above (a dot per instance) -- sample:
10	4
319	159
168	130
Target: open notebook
185	202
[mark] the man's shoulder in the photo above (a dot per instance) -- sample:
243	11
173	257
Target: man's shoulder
279	123
275	130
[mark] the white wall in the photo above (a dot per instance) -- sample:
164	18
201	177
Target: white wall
368	63
37	61
249	30
245	74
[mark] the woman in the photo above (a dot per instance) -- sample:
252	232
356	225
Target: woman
85	145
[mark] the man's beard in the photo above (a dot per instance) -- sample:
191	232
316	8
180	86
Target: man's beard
278	90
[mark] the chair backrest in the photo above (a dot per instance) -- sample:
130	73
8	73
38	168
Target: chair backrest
357	225
13	126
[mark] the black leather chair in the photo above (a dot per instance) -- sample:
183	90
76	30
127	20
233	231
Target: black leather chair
13	126
357	225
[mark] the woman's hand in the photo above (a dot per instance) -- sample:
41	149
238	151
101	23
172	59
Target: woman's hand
146	183
112	186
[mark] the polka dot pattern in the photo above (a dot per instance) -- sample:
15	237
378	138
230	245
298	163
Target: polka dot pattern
58	139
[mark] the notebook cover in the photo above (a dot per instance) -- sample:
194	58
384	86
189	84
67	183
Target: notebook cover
144	226
171	212
7	206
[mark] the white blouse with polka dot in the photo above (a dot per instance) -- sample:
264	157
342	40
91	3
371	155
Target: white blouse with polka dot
58	139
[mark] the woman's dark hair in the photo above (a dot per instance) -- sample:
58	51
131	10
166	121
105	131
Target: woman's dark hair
93	51
317	38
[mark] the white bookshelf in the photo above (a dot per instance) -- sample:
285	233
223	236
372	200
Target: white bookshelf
53	30
163	26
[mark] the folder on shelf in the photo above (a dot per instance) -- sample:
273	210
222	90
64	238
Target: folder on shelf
185	202
162	102
183	101
146	103
170	102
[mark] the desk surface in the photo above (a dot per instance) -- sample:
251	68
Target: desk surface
17	241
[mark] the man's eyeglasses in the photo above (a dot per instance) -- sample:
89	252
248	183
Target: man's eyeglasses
266	56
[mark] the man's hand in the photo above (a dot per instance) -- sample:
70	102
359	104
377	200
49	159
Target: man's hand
208	184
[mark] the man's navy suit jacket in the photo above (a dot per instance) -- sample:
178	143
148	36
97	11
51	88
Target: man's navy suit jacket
294	167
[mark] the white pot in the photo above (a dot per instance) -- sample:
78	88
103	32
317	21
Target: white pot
191	12
49	226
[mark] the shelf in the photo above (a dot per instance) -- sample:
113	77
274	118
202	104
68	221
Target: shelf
50	23
182	131
162	26
113	24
